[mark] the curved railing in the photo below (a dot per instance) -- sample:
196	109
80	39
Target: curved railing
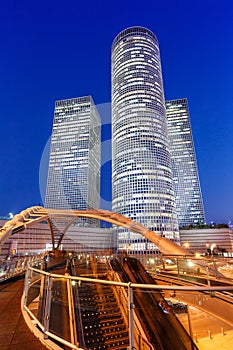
48	305
13	266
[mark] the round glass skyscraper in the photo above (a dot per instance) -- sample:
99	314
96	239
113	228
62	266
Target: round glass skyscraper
141	164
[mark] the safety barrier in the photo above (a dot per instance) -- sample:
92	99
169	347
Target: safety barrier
14	266
50	301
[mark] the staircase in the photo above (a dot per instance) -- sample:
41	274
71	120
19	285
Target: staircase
102	321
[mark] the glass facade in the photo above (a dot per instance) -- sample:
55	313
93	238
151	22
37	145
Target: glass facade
141	165
184	165
74	165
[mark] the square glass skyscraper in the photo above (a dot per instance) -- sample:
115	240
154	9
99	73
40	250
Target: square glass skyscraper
74	165
189	203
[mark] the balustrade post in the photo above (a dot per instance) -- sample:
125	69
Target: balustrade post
131	319
216	270
47	306
178	267
26	285
73	333
207	274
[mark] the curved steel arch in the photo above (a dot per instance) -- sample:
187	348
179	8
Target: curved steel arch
37	214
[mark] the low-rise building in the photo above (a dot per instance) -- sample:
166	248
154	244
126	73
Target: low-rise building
208	241
37	239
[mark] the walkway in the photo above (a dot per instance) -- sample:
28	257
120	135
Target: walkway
14	332
209	332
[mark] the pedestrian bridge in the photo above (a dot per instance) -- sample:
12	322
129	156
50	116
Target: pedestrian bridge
65	218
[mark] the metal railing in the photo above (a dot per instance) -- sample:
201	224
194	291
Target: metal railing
48	297
13	266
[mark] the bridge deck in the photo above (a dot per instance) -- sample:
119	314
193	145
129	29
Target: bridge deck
14	332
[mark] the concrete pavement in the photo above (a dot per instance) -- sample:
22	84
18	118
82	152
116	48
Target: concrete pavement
14	332
209	333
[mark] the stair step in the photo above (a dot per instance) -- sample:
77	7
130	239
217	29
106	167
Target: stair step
103	324
107	332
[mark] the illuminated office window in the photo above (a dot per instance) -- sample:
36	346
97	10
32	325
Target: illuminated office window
188	195
141	165
74	166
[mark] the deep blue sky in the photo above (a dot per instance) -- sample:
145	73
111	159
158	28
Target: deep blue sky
54	50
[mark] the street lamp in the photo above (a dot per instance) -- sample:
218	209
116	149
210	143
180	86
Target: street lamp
212	248
186	245
190	263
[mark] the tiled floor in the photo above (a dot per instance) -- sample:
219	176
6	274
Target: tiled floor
14	332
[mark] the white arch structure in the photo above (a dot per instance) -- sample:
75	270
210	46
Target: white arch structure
33	215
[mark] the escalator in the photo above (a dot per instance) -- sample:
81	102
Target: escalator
159	323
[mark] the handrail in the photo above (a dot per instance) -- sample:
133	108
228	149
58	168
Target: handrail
43	324
137	285
121	294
